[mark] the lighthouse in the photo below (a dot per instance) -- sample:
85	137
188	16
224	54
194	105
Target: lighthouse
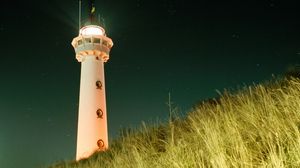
92	48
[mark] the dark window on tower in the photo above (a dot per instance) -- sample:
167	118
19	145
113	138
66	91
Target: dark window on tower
98	85
100	144
97	40
105	43
79	42
99	113
88	40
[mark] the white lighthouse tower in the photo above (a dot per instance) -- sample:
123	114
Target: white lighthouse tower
92	48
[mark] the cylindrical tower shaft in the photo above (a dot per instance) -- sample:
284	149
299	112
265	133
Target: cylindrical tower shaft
92	121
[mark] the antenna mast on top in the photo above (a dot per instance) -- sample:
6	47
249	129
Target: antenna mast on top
79	17
92	10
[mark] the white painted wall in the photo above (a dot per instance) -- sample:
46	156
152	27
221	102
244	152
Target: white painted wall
90	127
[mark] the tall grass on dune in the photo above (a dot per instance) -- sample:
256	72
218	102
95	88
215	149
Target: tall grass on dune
256	127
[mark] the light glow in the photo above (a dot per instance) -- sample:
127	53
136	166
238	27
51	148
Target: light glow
91	30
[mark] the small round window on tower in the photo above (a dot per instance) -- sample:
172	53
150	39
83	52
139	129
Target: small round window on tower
100	144
99	85
99	113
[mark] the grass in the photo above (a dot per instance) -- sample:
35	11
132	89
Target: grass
256	127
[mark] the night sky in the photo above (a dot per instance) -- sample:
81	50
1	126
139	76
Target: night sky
187	48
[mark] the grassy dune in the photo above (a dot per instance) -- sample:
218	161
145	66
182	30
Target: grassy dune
256	127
